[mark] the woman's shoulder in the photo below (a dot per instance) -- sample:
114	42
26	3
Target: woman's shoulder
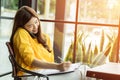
21	35
21	31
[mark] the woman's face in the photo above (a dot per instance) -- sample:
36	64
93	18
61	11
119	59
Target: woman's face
32	25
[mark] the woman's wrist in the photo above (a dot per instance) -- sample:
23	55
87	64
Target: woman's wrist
57	66
63	66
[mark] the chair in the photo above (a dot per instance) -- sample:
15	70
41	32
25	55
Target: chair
16	67
4	74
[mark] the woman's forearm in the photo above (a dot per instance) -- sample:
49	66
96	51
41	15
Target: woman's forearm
45	65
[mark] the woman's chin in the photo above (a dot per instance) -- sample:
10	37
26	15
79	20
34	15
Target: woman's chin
34	32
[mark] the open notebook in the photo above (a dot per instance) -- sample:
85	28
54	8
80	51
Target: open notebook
49	72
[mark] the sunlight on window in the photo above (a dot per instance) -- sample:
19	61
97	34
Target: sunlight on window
111	3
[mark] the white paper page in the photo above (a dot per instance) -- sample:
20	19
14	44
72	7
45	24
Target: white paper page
72	68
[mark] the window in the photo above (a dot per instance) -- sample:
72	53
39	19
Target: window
99	20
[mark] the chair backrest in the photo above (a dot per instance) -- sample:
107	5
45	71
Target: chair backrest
11	58
16	67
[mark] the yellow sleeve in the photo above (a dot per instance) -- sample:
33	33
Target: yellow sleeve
22	44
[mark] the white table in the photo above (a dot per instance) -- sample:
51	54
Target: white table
68	76
78	74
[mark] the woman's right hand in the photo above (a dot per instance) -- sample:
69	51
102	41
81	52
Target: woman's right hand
63	66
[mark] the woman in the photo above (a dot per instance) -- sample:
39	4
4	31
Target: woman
32	48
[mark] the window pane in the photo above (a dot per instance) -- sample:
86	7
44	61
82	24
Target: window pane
5	32
96	44
46	9
101	11
9	7
70	10
6	28
68	39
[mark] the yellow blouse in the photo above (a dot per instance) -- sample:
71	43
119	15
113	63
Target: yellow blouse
27	49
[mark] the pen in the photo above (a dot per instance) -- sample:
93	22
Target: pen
60	58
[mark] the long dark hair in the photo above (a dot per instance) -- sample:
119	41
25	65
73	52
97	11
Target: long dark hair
23	15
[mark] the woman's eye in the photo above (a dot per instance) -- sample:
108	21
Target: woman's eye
30	26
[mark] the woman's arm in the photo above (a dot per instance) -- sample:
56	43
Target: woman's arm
46	65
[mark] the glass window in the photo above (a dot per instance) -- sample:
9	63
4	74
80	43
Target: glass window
68	38
8	10
70	10
95	18
5	29
9	7
46	9
105	11
96	44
